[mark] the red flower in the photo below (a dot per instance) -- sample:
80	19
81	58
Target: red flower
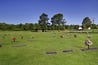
14	39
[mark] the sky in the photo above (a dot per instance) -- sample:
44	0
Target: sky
28	11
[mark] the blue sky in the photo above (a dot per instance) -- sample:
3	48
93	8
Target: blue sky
28	11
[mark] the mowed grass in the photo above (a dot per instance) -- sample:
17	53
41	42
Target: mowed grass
31	50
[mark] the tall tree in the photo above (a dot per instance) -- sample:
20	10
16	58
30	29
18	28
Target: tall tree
43	20
86	22
57	20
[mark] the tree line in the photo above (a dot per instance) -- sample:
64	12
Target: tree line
57	22
33	27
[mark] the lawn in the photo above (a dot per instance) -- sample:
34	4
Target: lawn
30	48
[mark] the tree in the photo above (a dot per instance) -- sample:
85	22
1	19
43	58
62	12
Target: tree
63	22
58	20
20	26
94	26
86	22
43	20
28	26
76	27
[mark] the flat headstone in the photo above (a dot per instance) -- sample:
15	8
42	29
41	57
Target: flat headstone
66	51
89	49
20	45
51	52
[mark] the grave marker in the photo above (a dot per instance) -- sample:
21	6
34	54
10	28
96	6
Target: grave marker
66	51
89	49
51	52
88	43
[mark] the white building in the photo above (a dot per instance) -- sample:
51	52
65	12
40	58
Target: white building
89	28
80	28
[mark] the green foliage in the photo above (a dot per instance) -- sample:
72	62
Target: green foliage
94	26
58	21
18	27
86	22
57	18
43	20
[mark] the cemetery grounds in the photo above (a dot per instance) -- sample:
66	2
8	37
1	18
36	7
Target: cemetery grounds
46	48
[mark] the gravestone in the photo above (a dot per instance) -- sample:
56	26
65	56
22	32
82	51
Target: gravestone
88	43
51	52
89	49
66	51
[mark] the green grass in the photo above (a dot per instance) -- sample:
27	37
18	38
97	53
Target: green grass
34	53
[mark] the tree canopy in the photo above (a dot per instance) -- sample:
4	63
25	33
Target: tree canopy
57	19
43	20
86	22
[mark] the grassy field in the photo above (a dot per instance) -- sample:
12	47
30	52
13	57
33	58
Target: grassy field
32	48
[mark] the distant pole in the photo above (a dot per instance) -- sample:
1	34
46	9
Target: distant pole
93	20
93	24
